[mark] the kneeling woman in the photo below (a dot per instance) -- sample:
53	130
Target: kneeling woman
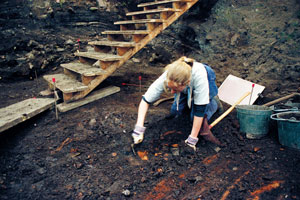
193	84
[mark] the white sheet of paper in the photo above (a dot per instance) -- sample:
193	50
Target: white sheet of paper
233	88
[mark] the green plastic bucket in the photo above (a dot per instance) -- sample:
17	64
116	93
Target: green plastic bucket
288	124
254	120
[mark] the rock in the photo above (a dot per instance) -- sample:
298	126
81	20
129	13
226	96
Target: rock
41	171
115	188
32	43
21	60
217	149
30	56
209	37
175	151
234	39
136	60
93	8
30	65
69	42
39	185
143	179
199	178
60	49
102	3
126	193
78	165
92	122
43	16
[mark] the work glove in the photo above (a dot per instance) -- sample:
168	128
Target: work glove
138	134
191	142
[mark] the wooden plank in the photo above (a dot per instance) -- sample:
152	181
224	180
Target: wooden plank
140	21
153	11
68	96
112	43
131	32
105	64
65	83
161	2
83	69
122	50
99	56
87	79
22	111
96	96
138	38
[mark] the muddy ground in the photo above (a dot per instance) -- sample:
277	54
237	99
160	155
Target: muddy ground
86	154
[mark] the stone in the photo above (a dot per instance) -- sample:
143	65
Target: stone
69	42
92	122
126	193
93	8
234	39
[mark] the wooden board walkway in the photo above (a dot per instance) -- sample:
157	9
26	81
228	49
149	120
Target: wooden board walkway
22	111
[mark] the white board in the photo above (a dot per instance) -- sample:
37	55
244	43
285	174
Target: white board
233	88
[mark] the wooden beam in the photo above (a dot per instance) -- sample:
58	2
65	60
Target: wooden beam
93	97
164	15
151	26
87	79
105	64
137	38
122	50
67	96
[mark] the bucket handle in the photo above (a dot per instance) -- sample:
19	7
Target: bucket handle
275	117
286	110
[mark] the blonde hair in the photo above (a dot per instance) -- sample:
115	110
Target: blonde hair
179	71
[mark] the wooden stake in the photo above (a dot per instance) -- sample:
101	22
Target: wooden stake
140	80
251	93
55	98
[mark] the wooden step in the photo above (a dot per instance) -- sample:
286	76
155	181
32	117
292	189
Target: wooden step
162	2
65	83
99	56
140	21
84	69
131	32
153	11
112	43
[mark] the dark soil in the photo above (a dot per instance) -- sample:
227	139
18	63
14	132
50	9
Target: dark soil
86	154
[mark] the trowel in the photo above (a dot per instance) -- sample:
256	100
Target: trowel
132	148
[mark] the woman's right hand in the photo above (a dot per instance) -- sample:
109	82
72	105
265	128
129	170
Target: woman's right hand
138	134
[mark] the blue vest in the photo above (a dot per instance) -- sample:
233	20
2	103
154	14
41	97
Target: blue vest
211	76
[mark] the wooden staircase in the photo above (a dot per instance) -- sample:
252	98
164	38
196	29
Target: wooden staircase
83	76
